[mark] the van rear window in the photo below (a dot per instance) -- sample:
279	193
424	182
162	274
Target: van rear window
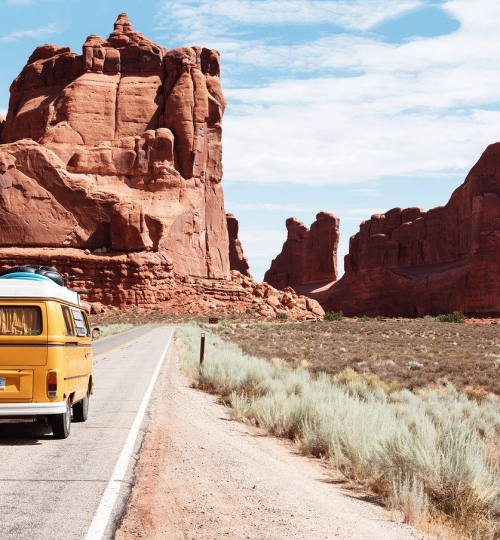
20	321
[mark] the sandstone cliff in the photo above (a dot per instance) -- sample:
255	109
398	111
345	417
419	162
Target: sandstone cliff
237	260
117	149
308	256
412	263
110	170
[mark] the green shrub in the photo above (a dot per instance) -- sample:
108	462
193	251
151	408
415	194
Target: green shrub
364	318
455	317
334	316
282	316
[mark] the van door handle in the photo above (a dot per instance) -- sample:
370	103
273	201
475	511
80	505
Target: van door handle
72	343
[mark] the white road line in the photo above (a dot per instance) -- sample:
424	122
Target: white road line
101	518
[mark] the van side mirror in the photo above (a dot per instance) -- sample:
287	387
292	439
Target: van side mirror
96	333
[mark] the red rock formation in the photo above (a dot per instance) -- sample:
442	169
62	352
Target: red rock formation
236	258
308	256
118	148
147	280
411	263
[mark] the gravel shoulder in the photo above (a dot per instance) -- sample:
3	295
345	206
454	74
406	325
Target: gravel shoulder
201	477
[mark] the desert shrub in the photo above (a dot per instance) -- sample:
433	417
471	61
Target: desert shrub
112	329
414	365
333	316
355	380
263	325
364	318
281	316
407	494
421	453
455	317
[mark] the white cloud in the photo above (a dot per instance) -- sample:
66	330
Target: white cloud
407	109
36	33
202	18
349	107
3	112
271	207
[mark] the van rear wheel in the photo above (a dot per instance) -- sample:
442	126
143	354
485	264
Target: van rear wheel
81	409
61	423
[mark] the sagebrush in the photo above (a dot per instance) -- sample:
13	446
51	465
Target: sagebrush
423	454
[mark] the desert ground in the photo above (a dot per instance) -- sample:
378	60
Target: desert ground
411	353
201	477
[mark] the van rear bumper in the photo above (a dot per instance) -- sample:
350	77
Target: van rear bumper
32	409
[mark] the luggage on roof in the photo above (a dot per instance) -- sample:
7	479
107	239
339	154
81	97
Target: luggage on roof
46	271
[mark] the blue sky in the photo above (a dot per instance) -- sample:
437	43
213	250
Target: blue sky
346	106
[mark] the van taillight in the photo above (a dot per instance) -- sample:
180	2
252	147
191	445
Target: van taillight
52	383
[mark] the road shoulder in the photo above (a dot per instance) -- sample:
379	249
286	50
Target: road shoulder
201	476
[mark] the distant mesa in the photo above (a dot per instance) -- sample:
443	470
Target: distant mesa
412	263
406	262
308	255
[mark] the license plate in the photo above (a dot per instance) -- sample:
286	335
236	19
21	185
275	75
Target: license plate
2	383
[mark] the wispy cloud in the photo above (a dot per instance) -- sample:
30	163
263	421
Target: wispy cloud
190	17
348	107
33	33
270	207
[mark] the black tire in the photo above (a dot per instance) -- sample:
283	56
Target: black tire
81	409
61	423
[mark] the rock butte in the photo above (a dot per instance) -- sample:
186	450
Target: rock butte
236	258
111	168
411	263
118	148
308	256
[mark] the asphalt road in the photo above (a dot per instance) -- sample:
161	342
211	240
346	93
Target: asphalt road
50	489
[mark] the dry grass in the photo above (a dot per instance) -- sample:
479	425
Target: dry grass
433	456
413	355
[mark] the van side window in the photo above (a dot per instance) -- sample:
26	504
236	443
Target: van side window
68	321
20	321
82	329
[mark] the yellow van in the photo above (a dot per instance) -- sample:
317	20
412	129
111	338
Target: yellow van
45	352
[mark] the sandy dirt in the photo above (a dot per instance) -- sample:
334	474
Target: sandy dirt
203	477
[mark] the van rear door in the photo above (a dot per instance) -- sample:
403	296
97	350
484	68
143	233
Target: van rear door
23	334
